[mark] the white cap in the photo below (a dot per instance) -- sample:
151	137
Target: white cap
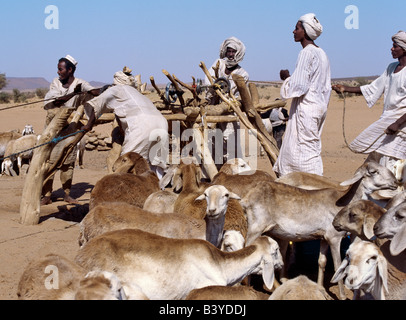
71	59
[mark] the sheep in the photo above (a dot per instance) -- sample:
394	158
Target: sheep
133	188
169	269
161	201
359	218
221	214
232	240
300	288
28	129
117	216
308	181
226	293
365	270
14	151
5	138
100	285
52	277
243	182
188	177
294	214
392	225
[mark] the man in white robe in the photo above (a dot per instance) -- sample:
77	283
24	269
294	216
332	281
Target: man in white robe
232	52
145	128
310	89
62	89
385	139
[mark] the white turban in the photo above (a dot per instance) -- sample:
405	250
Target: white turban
235	44
311	25
124	79
400	39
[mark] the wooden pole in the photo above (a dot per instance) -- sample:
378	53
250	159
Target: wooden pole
30	199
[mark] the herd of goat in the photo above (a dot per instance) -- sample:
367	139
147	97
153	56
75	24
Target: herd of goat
183	238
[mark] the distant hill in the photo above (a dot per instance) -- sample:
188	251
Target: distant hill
25	84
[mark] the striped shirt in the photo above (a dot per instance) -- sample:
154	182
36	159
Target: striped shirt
310	89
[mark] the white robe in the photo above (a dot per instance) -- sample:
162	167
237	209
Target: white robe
310	88
393	87
145	128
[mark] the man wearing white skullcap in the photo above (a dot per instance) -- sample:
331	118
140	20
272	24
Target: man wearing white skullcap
62	90
145	128
385	139
232	52
310	89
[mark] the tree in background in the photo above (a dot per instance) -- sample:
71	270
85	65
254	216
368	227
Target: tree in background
3	80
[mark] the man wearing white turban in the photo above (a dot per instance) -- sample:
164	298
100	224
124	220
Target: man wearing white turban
310	89
385	139
232	52
145	128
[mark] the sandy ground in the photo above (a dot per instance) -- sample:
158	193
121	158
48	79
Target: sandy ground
57	231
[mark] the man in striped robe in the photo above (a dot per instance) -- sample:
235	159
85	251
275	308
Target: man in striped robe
310	89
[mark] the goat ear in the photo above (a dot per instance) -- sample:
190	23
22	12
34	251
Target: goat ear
357	176
268	274
383	272
398	242
341	272
368	226
234	196
201	197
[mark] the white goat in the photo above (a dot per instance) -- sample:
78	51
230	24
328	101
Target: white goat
392	225
295	214
364	269
150	261
300	288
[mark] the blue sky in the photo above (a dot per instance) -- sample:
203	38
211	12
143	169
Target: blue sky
176	35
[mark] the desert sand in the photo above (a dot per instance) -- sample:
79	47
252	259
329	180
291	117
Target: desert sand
57	231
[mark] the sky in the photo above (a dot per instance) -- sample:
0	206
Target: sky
148	36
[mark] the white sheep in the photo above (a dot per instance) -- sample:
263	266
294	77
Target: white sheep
365	270
169	269
392	225
219	213
118	216
300	288
294	214
28	129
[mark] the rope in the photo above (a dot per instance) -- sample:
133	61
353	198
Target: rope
345	139
54	140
